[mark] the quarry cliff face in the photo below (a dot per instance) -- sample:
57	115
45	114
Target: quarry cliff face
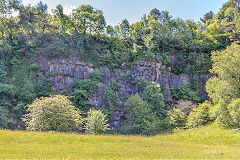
63	73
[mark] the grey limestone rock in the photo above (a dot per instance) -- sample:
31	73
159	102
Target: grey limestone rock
64	73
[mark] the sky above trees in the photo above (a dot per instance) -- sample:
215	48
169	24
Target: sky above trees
133	10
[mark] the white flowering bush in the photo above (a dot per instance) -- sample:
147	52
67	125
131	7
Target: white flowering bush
96	122
54	113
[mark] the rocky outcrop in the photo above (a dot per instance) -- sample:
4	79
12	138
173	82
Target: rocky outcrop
63	73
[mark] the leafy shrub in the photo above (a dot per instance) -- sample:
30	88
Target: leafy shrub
142	119
96	76
96	122
5	121
140	115
200	115
81	91
182	93
234	112
221	115
3	73
178	66
228	116
112	101
153	96
83	88
54	113
225	82
177	118
192	84
43	88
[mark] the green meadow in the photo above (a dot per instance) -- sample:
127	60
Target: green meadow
207	142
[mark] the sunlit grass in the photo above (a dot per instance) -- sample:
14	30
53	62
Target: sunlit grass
205	143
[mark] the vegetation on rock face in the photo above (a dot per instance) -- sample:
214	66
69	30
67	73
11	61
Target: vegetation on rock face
147	115
183	46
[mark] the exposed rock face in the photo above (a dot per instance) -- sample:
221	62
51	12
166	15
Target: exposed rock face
63	73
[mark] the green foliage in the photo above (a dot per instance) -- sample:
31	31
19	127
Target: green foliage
153	96
181	45
112	101
142	119
141	116
225	84
192	84
199	63
3	72
43	88
82	89
234	112
182	93
96	76
80	94
80	99
221	114
179	65
177	118
200	115
227	116
96	122
88	20
5	121
223	87
111	98
227	19
55	113
166	58
17	88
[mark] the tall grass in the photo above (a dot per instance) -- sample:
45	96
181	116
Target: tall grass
208	142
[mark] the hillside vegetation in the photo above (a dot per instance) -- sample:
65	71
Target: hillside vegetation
207	142
181	47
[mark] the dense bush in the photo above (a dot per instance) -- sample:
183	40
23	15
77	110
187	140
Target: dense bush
225	82
183	93
177	118
228	116
142	119
220	113
200	115
82	89
234	111
54	113
96	122
153	96
5	121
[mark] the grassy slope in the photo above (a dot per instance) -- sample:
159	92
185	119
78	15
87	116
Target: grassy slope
205	143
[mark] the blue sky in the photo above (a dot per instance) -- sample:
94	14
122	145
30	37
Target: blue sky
117	10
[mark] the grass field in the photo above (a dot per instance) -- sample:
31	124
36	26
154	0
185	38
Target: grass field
208	142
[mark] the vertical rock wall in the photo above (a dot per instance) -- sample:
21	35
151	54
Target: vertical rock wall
63	73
